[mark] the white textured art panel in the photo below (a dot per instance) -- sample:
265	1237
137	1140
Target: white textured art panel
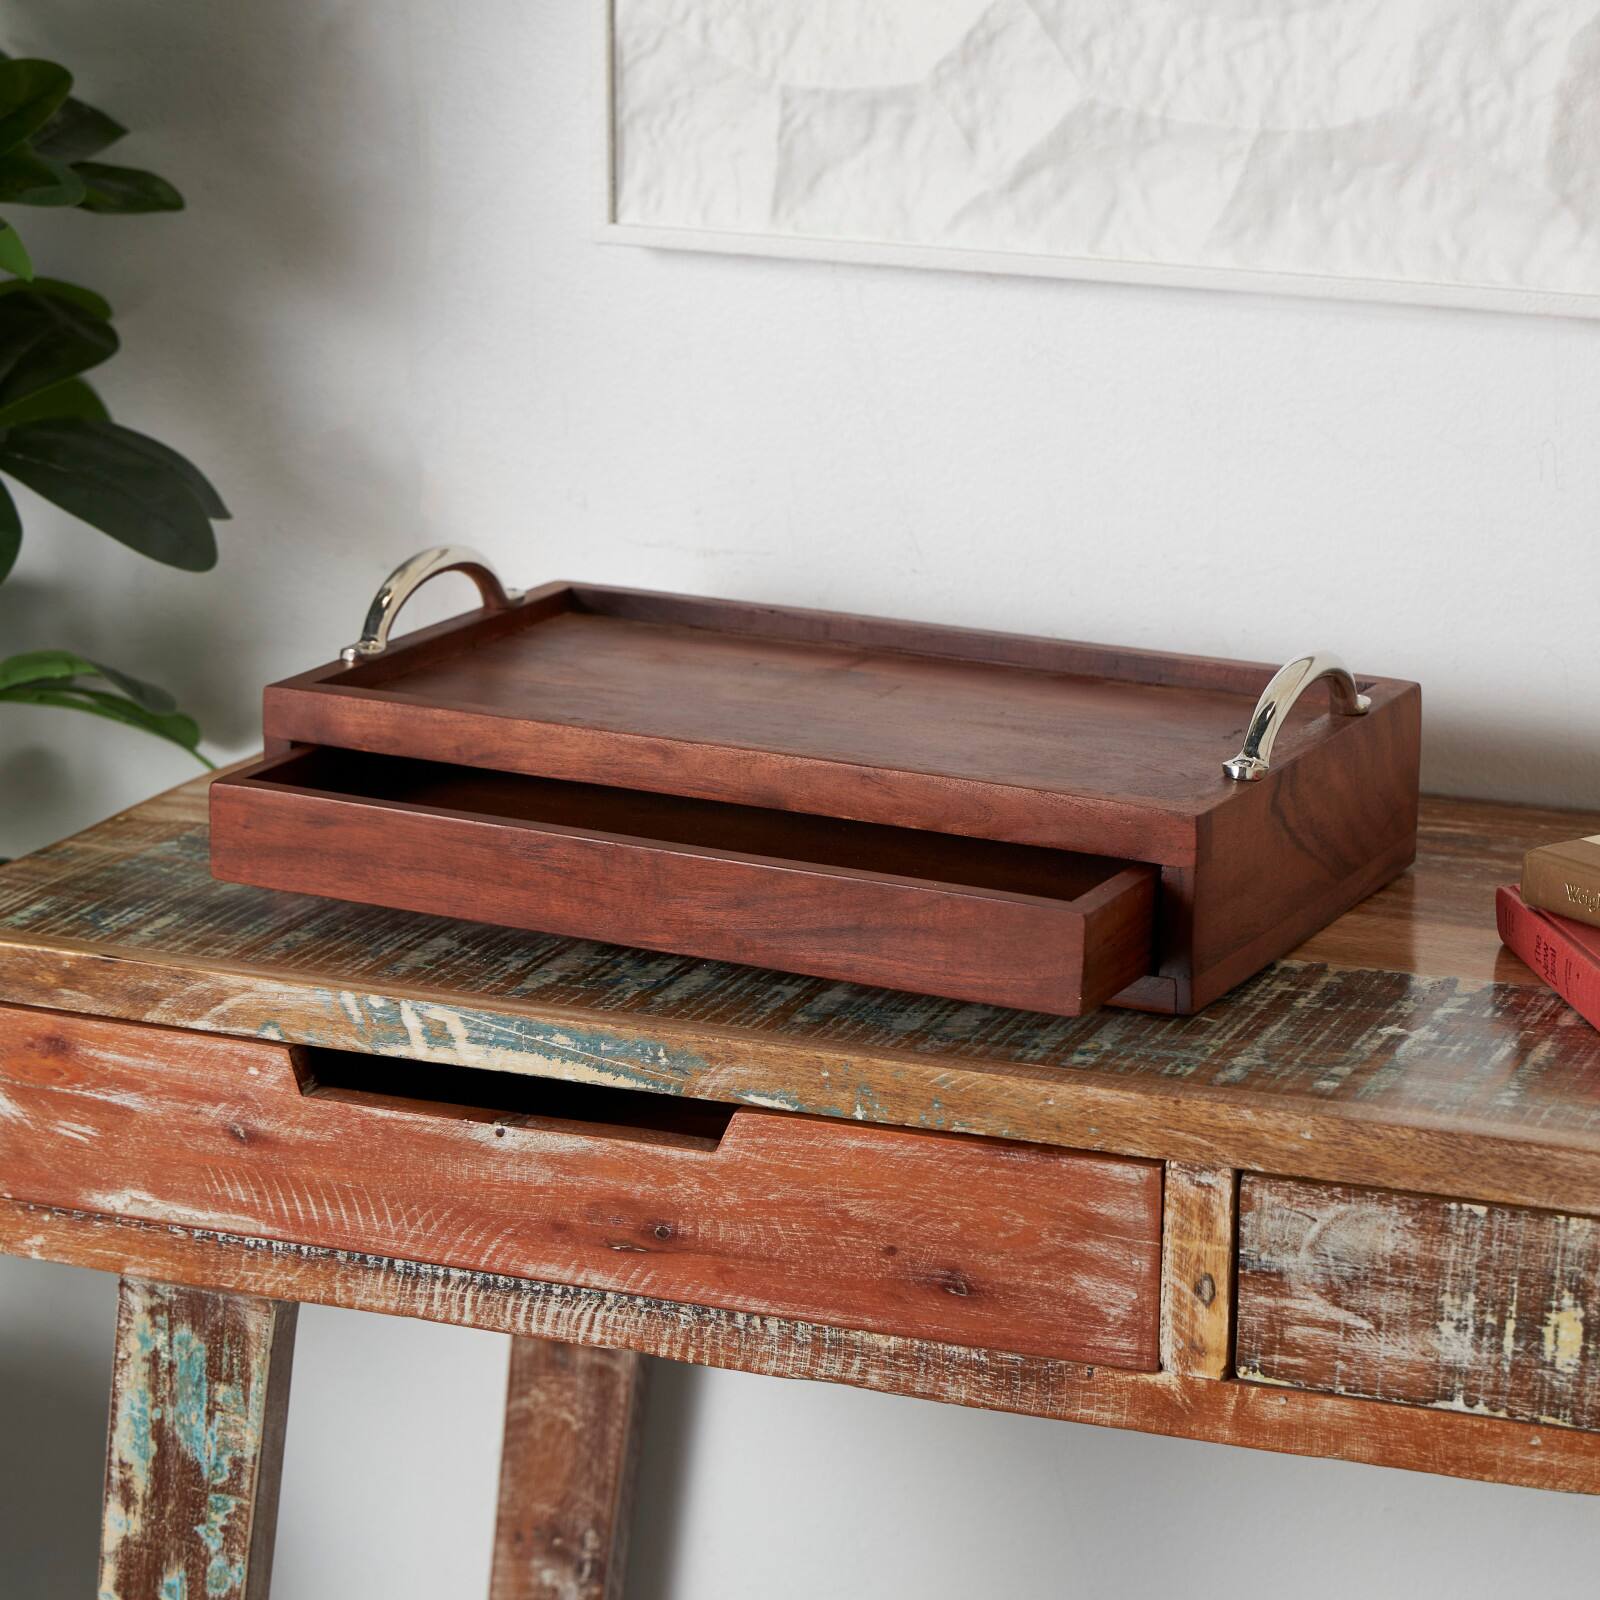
1417	149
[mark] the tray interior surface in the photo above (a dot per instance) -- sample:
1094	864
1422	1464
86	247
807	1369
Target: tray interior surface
677	822
1147	743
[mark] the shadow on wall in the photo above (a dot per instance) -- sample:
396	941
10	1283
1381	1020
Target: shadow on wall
33	774
254	326
1461	756
665	1468
55	1375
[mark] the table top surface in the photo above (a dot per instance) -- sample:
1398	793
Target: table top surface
1402	1046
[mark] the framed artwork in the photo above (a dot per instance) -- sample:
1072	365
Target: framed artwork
1440	151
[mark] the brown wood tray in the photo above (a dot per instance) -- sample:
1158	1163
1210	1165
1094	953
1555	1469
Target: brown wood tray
996	735
971	814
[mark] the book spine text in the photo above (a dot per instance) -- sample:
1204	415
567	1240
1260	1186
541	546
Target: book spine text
1558	957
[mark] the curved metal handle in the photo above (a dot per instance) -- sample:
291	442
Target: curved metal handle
1272	709
410	576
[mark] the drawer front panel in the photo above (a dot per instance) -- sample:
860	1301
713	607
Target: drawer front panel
886	918
1488	1309
969	1241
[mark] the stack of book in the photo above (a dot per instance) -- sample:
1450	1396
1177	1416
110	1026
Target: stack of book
1553	920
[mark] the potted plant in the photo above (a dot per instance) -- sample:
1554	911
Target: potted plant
56	435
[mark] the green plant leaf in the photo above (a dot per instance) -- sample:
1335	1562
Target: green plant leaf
45	338
76	132
57	666
148	696
73	293
27	179
124	191
72	398
35	665
161	455
108	476
31	92
174	726
10	533
13	253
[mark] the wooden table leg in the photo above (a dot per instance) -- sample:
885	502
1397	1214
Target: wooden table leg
566	1472
199	1392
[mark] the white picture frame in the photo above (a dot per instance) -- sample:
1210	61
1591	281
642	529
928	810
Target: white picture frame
615	229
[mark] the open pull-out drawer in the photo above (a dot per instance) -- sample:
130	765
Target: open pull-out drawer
972	919
938	1236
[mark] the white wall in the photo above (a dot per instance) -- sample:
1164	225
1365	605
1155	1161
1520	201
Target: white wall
383	323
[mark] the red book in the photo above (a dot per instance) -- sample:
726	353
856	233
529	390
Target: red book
1565	954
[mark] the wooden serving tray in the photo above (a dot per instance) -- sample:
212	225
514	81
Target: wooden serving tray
985	816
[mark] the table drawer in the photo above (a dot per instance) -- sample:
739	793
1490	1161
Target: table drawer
971	919
1488	1309
940	1236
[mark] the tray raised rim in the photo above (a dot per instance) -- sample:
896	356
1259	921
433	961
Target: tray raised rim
347	706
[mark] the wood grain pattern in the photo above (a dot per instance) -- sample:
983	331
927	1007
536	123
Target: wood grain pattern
1406	1050
199	1394
936	1235
574	1423
1197	1251
1033	740
1486	1309
1074	747
973	920
1432	923
1291	854
1229	1412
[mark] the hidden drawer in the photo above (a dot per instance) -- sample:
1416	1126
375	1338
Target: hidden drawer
989	817
1488	1309
970	919
945	1237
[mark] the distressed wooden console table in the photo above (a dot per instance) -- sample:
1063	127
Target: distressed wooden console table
1350	1210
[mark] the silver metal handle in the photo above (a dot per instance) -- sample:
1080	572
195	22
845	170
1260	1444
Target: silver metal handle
1272	709
410	576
